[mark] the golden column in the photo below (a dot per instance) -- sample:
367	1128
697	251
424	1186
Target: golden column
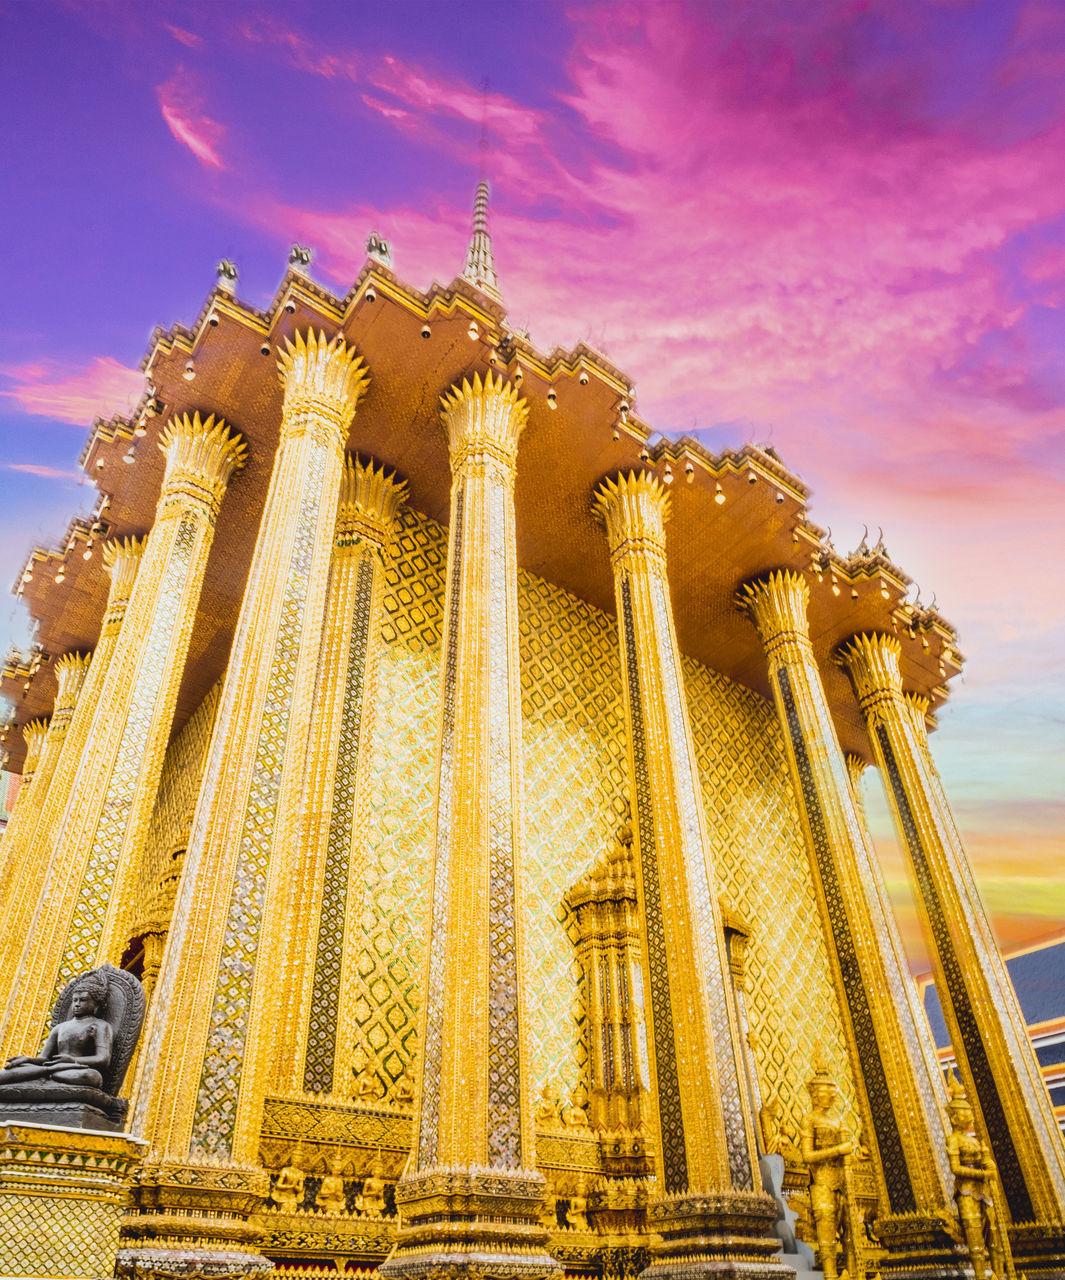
709	1202
901	1100
20	895
317	1027
210	1046
987	1031
70	672
82	914
472	1199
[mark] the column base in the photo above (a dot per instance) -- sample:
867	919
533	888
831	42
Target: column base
921	1245
192	1218
719	1234
1039	1250
61	1197
478	1223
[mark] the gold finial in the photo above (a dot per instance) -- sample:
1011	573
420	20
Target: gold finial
480	268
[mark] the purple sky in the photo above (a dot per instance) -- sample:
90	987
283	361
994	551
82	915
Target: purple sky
841	232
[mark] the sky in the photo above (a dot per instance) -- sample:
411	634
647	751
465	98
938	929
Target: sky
836	227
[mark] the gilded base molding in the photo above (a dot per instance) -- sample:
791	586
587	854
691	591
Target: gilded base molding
317	1235
61	1198
918	1246
482	1223
721	1233
1039	1250
193	1218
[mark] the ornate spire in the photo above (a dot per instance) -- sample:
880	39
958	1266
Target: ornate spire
480	268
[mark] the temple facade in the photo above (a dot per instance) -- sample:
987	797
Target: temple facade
476	791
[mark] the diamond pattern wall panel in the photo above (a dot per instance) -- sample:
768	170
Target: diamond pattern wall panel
764	874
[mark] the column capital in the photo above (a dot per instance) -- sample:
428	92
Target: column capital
483	421
872	661
634	508
855	768
201	457
122	556
777	604
70	673
919	707
34	733
324	379
370	498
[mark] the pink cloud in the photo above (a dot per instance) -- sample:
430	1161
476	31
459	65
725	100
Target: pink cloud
300	51
188	38
103	388
763	227
46	473
182	109
432	95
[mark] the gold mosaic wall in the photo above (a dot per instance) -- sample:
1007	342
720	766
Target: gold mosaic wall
575	801
175	801
398	822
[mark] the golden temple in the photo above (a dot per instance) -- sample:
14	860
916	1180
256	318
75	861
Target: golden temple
476	790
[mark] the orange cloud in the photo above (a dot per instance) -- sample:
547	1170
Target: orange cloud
182	110
104	388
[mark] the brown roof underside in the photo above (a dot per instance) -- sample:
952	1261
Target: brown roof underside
564	453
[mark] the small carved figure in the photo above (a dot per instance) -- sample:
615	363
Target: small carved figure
826	1153
547	1105
371	1200
974	1189
75	1079
367	1085
774	1136
549	1212
330	1198
772	1122
287	1191
405	1089
577	1211
576	1113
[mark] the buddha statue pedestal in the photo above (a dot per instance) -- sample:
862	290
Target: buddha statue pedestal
61	1198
